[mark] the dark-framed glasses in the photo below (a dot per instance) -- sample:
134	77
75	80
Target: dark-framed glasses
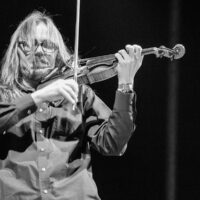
46	45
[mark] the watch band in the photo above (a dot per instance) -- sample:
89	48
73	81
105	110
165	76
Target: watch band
125	88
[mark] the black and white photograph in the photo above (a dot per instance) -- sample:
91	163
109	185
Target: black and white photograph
99	100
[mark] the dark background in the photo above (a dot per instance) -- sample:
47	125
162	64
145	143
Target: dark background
106	26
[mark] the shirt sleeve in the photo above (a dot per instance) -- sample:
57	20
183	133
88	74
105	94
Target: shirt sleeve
12	113
110	130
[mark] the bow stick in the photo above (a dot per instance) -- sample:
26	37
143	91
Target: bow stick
76	43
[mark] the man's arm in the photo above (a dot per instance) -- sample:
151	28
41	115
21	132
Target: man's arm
109	131
12	113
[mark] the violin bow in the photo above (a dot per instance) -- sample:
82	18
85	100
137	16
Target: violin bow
76	43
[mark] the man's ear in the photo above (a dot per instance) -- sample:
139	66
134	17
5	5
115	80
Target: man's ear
21	57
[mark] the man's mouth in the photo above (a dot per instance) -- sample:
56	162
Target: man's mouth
42	60
41	64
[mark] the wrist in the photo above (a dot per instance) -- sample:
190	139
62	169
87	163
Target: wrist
123	81
36	96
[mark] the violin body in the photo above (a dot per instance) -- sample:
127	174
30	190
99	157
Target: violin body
90	70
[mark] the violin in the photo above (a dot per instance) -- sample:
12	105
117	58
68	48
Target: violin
101	68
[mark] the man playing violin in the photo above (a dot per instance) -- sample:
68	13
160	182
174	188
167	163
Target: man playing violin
46	133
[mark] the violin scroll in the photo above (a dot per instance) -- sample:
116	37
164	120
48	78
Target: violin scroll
176	52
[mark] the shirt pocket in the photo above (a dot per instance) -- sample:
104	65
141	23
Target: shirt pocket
12	188
78	186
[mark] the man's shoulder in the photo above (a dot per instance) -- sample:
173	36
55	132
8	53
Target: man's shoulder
5	92
4	87
86	89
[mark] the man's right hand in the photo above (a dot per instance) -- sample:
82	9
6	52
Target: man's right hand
66	88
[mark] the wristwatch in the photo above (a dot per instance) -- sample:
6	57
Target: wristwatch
125	88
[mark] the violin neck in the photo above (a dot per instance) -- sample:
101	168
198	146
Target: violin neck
148	51
111	57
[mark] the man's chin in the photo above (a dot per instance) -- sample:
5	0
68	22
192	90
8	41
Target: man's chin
40	73
42	69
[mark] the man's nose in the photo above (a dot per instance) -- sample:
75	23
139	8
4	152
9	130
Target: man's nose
39	49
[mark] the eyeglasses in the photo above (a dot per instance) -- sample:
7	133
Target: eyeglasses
46	45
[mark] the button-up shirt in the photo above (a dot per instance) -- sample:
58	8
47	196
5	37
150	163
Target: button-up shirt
45	149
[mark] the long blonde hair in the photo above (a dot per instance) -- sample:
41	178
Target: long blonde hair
10	64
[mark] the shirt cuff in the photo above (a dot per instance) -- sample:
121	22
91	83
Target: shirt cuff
25	105
124	101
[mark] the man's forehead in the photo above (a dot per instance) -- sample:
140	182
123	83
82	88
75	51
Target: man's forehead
38	32
41	31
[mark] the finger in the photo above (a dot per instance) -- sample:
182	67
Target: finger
124	54
71	92
131	50
134	50
119	57
73	84
137	50
67	96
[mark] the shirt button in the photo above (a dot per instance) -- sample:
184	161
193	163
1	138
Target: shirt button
43	169
40	110
42	149
45	191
